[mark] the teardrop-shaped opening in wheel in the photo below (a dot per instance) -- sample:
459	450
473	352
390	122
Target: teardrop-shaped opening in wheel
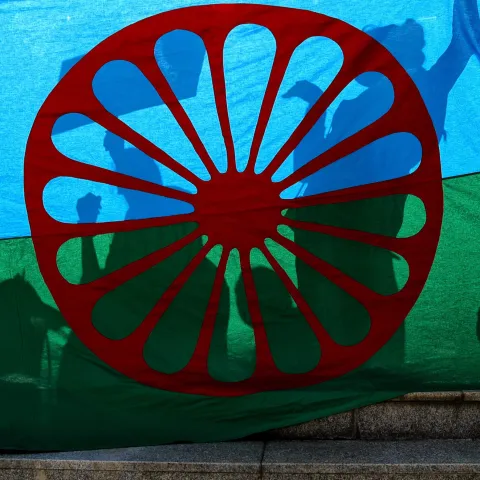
248	57
294	347
379	269
232	353
173	340
74	200
387	158
181	57
398	216
85	141
85	259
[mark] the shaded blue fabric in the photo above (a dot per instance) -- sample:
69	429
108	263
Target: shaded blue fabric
42	39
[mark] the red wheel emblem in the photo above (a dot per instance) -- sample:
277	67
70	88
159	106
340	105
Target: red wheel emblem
238	210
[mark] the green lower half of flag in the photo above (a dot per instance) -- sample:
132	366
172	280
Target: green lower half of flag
57	394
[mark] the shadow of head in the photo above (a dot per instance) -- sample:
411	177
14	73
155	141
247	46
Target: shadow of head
21	302
405	41
304	90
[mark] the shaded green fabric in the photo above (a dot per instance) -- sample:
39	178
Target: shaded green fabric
56	394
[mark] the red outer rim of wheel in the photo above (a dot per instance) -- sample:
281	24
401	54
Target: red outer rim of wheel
212	23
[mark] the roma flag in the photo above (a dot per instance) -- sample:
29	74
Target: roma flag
217	219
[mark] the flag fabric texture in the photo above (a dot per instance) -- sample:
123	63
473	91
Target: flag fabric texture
221	218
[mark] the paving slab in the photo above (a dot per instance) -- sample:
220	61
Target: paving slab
278	460
236	460
435	459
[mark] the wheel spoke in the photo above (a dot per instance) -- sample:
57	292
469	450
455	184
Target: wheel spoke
214	43
326	342
368	298
265	363
113	280
407	185
152	72
199	360
72	230
311	118
93	173
282	58
398	245
379	129
107	120
140	336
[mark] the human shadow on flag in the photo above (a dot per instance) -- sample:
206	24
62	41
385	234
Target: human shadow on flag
181	61
127	94
31	335
391	157
122	310
478	324
119	312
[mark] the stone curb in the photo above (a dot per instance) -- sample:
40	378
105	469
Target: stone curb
239	457
434	459
362	457
222	461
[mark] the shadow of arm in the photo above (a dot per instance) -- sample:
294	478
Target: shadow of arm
464	44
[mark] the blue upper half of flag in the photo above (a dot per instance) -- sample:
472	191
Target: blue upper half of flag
436	42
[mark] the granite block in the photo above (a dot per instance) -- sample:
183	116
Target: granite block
436	420
431	397
339	426
471	396
370	476
120	475
375	458
169	461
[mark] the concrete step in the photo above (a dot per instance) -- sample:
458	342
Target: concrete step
359	460
440	415
363	460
